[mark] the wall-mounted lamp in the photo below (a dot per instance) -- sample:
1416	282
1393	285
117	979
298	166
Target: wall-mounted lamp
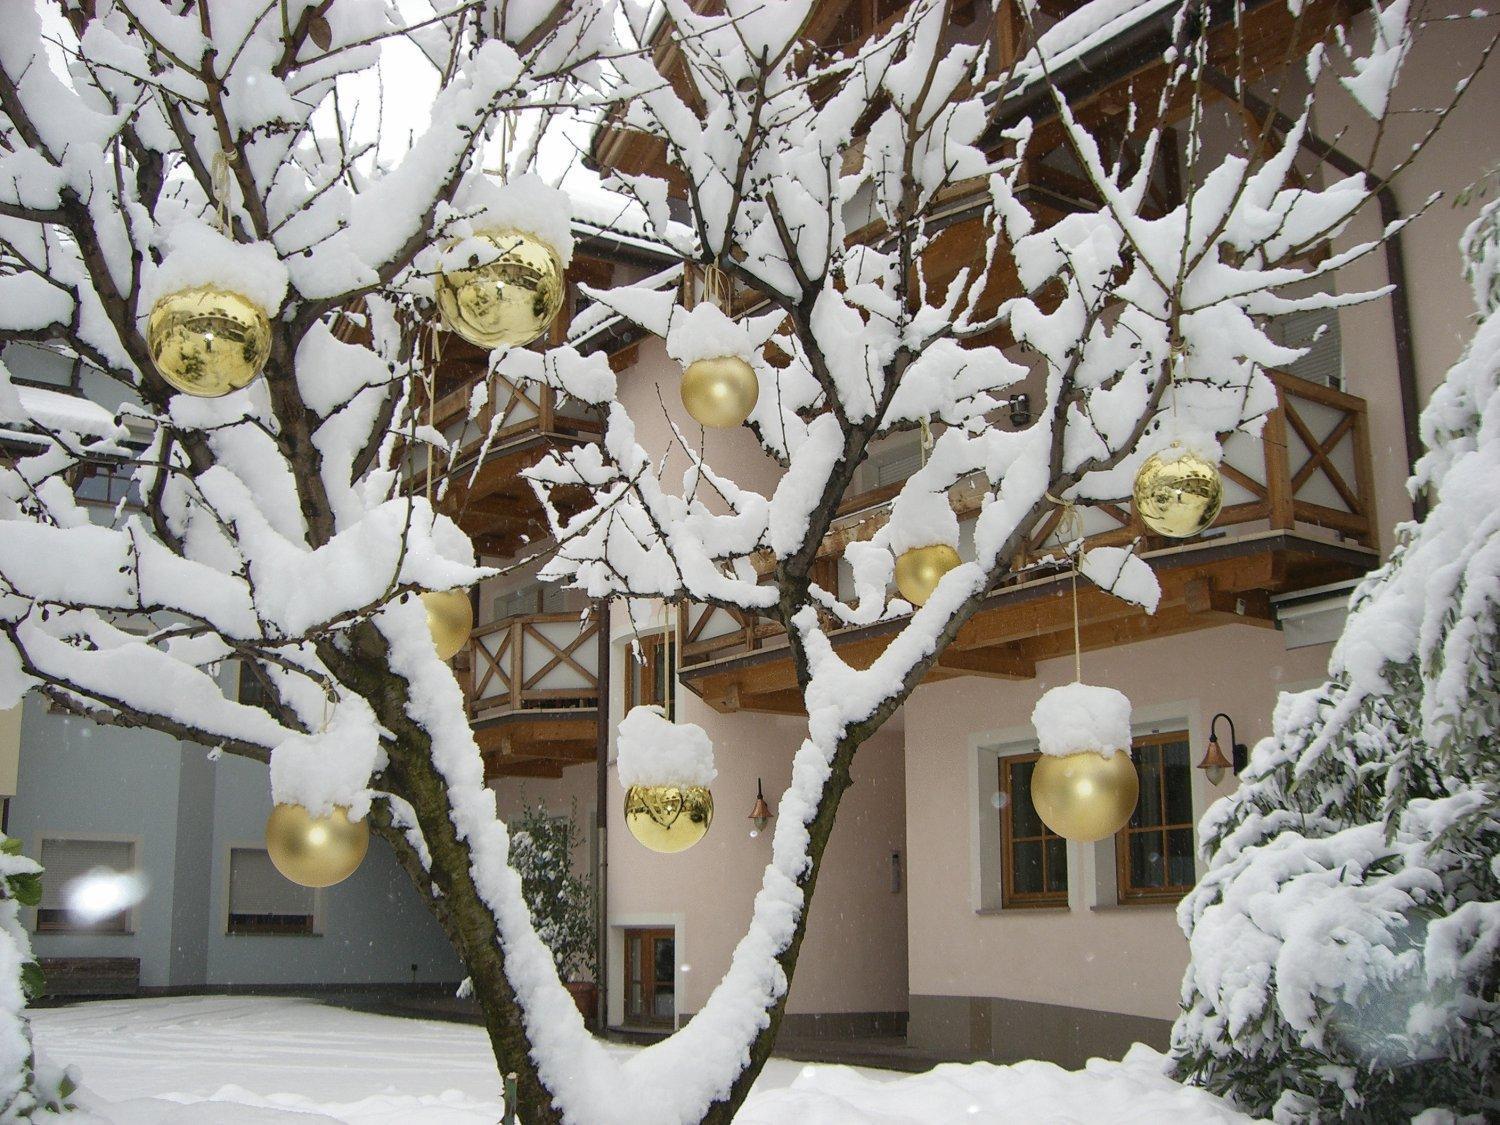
761	814
1020	410
1214	762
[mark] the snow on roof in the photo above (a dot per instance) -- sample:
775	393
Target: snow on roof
56	410
1076	35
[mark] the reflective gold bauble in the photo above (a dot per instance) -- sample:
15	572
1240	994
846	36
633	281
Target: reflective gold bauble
510	299
1178	498
720	392
668	818
315	851
1086	796
208	341
919	570
450	616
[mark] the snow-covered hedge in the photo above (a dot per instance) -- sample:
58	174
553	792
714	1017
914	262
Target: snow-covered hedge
1346	939
27	1087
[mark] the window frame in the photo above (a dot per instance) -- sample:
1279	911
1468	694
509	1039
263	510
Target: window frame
640	675
54	920
1010	898
1125	893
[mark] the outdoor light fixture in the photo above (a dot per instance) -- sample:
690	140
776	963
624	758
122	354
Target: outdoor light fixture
760	815
1214	763
1020	410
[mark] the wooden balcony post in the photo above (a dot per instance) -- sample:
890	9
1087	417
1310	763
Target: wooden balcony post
517	662
1279	502
1364	474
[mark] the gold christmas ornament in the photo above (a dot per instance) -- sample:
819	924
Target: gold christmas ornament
919	570
315	851
668	818
1085	796
1178	498
450	617
208	341
509	300
720	392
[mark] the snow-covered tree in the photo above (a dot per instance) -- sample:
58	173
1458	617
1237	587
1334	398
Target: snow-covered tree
27	1086
1346	939
543	848
152	145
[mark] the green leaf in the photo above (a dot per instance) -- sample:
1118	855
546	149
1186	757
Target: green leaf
32	980
27	889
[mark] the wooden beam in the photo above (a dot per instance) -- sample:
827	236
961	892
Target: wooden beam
1001	663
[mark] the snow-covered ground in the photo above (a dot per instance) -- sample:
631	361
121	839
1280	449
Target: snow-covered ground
226	1060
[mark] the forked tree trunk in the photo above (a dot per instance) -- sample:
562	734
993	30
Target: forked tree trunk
448	885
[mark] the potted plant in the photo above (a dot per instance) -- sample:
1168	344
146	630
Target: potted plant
561	900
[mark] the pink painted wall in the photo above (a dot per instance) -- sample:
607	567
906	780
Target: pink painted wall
1094	954
854	957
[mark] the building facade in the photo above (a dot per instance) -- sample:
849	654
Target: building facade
945	911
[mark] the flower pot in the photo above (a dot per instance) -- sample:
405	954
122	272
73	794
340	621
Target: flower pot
586	996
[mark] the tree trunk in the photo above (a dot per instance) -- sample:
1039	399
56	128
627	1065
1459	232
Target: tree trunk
448	885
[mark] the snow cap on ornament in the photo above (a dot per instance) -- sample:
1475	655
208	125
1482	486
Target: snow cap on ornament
719	385
655	751
198	255
525	203
1078	718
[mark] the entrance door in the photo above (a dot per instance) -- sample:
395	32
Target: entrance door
650	977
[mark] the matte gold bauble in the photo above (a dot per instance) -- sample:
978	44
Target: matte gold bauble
510	299
1178	498
919	570
720	392
208	341
668	818
450	616
315	851
1086	796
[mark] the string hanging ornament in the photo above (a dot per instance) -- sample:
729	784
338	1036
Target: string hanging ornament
669	818
718	391
450	613
1084	792
316	851
500	287
209	340
920	569
1177	493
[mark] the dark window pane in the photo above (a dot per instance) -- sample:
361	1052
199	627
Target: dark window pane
1179	791
1180	858
665	966
1023	818
1149	808
1026	878
1147	869
1175	755
1057	864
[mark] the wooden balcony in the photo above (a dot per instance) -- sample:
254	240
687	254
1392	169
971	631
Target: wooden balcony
1299	512
532	693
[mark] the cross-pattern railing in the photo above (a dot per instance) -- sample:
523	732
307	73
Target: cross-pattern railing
1310	470
538	660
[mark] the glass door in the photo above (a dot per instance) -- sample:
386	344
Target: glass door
650	977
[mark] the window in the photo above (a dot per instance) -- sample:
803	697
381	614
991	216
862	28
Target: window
105	485
650	977
262	900
84	886
1154	851
652	679
1033	859
253	691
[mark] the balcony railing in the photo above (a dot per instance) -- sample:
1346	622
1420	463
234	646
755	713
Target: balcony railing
538	661
1310	472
